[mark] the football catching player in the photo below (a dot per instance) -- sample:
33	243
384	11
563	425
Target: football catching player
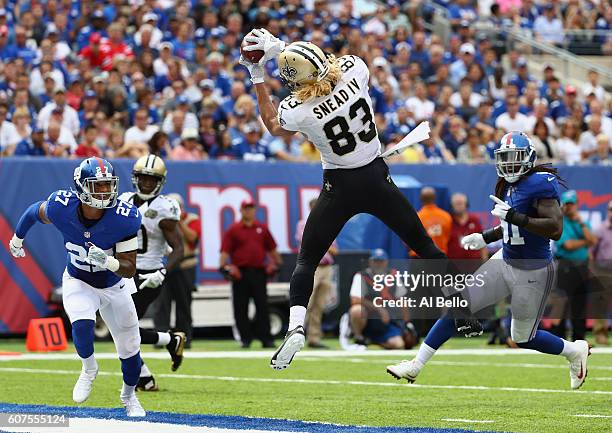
100	236
159	229
527	204
330	104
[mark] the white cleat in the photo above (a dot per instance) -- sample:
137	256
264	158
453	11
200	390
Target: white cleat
84	385
132	406
578	365
294	341
408	370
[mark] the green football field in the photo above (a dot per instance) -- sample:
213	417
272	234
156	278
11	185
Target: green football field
471	387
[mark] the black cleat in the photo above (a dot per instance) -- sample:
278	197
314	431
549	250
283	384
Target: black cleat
146	383
468	327
175	348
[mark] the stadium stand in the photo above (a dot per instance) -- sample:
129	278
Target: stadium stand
121	79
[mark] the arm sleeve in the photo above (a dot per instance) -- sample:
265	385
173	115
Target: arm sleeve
286	118
27	220
547	186
227	243
171	210
196	227
126	245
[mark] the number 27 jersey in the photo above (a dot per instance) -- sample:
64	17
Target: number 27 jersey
115	232
341	124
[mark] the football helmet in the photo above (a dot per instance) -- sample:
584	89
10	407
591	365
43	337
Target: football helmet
302	63
514	156
89	178
149	165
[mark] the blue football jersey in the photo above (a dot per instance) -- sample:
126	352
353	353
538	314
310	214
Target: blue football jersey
523	248
118	224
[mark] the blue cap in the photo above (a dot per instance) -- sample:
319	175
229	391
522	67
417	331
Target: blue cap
182	99
98	14
379	254
569	197
90	94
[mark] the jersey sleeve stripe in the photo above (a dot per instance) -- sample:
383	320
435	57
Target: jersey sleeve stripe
128	245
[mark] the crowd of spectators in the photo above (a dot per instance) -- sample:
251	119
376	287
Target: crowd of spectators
122	79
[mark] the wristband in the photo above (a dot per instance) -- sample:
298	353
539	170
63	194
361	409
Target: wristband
112	264
490	235
516	218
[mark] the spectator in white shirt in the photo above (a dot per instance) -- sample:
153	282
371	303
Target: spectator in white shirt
59	139
191	120
548	27
465	96
140	134
512	120
160	64
594	87
596	108
567	144
588	139
420	107
70	118
8	132
540	111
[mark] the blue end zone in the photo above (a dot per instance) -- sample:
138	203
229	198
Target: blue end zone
219	421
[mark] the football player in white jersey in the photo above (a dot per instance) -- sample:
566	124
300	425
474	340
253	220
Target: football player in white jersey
159	229
330	105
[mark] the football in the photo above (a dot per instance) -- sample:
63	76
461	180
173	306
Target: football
251	56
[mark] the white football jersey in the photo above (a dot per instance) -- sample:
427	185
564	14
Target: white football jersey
341	124
152	245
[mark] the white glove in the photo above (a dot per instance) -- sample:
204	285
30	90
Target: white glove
16	247
474	241
152	280
501	209
97	257
255	70
265	41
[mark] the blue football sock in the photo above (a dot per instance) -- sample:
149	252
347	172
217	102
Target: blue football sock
442	330
131	369
544	342
83	337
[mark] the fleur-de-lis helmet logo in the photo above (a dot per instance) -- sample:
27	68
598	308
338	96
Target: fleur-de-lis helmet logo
288	71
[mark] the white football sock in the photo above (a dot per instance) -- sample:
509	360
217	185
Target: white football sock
424	354
89	364
144	371
127	390
164	338
297	314
569	350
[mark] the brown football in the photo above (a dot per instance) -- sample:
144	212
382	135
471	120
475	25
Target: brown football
251	56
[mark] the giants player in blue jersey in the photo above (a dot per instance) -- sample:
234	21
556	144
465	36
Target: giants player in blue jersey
100	236
527	204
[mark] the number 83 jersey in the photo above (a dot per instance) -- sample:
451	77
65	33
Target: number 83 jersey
341	124
522	248
115	232
152	245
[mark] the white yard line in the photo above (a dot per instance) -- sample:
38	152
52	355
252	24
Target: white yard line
588	415
255	354
455	363
468	421
75	373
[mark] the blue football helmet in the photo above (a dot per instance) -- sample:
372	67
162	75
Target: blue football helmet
96	183
514	156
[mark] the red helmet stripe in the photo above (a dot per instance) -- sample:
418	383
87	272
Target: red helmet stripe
509	139
102	166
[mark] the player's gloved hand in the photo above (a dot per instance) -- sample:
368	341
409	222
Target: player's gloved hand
474	241
501	208
255	70
152	280
16	247
265	41
97	257
507	213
